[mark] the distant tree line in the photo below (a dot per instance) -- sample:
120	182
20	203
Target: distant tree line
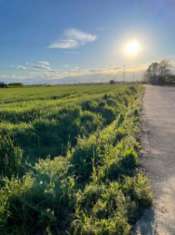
160	73
6	85
3	85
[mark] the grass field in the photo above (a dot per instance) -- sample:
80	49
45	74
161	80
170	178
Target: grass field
69	160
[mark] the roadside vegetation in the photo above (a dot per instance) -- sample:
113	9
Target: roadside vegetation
69	160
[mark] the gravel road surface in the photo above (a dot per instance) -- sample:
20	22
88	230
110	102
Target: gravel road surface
159	159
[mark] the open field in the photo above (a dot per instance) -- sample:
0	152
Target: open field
69	160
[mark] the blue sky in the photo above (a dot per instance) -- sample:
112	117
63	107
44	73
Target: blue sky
44	40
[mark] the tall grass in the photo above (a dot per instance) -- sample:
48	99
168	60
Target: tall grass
94	188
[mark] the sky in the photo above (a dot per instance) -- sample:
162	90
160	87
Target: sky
45	41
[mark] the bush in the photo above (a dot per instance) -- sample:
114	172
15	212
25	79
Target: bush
139	195
101	210
44	200
124	163
89	123
83	159
10	157
101	107
90	153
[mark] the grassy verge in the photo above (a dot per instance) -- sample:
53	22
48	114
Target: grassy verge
96	189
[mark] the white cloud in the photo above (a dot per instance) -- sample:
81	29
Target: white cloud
38	66
42	71
44	62
42	65
64	44
21	67
80	36
73	38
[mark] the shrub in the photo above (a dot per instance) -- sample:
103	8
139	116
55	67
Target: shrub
110	100
121	165
89	105
44	200
101	210
10	157
139	195
89	123
108	113
83	159
90	153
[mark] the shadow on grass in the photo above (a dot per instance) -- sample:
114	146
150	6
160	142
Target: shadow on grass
146	225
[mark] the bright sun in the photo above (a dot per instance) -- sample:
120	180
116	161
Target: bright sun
132	48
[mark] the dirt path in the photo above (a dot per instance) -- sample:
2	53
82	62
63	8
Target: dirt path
159	159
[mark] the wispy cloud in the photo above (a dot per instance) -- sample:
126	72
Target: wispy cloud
41	65
21	67
38	65
73	38
43	72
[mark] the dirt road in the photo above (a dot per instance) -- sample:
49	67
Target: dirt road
159	159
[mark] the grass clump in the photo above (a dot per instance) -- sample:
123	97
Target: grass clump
11	157
44	199
101	209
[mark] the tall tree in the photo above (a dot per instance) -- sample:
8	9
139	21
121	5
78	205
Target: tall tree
158	73
153	72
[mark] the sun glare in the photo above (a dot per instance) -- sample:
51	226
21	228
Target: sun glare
132	48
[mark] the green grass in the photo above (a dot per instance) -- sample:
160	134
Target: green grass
69	160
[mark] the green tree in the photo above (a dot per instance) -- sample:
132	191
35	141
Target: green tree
158	73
